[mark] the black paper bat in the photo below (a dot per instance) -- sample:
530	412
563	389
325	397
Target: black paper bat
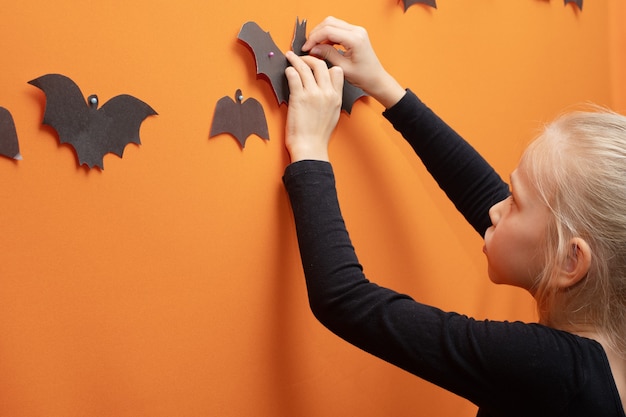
578	3
271	62
409	3
239	118
91	131
9	145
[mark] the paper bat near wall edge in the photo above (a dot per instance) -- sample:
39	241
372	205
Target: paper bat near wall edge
9	145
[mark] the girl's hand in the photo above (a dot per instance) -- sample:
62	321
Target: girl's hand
358	59
314	106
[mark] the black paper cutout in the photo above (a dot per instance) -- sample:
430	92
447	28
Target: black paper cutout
91	131
271	62
409	3
9	146
578	3
239	118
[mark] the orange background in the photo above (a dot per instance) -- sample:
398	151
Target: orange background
169	284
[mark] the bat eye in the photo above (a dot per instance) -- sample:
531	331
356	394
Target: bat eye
93	101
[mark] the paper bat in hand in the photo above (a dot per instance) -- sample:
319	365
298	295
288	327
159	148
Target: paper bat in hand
91	131
241	118
271	62
409	3
9	145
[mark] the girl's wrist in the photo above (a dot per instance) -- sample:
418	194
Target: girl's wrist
387	91
308	152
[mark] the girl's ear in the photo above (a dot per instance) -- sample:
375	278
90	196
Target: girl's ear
576	265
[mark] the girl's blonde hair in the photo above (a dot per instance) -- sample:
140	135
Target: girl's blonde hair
578	167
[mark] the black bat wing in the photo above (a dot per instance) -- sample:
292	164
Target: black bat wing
350	92
115	125
227	119
66	109
9	146
350	95
409	3
270	61
253	119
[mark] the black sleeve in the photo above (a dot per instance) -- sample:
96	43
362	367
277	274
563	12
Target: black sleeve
517	367
467	179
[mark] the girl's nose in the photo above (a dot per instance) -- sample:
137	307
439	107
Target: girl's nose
496	211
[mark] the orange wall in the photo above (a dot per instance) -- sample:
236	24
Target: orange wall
617	38
169	283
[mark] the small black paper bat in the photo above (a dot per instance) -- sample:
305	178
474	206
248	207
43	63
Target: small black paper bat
271	62
239	118
578	3
91	131
9	145
409	3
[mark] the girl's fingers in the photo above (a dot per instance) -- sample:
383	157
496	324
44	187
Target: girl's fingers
293	80
331	30
329	35
319	70
312	72
302	69
337	79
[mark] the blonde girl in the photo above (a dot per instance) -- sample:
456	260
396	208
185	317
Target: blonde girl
558	231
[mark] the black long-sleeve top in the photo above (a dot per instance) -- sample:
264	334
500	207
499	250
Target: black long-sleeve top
506	368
